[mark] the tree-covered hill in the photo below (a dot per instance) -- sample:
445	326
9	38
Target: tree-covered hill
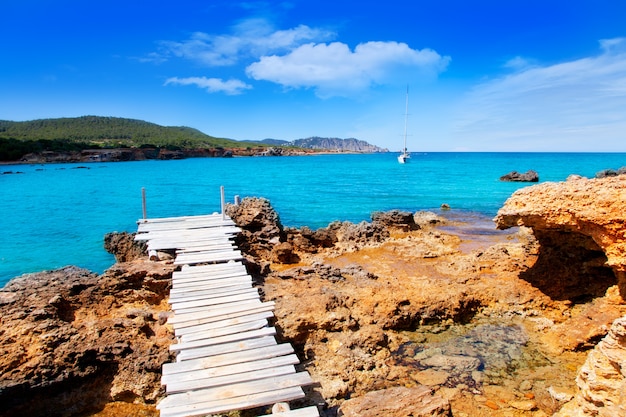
109	132
96	132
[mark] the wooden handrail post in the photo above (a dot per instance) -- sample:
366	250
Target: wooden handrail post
223	203
143	203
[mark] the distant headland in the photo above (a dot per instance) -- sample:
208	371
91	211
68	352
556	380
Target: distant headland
109	139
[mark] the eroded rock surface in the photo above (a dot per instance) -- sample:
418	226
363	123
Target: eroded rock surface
602	379
397	402
419	307
581	227
124	247
72	341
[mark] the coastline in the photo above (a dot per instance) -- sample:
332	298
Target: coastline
142	154
412	300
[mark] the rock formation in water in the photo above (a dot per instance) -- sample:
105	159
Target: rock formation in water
528	176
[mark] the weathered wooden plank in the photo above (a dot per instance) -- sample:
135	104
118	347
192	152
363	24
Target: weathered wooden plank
251	375
212	314
225	339
244	317
178	218
236	403
209	286
182	316
185	225
229	292
210	267
180	234
212	309
160	244
215	303
311	411
226	370
192	270
198	238
219	299
205	352
194	310
209	276
231	358
201	257
223	331
195	294
205	218
200	217
207	252
205	248
198	254
175	401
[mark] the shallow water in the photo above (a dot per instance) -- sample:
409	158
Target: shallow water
487	361
57	214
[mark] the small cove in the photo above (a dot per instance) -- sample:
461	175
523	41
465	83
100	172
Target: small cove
57	214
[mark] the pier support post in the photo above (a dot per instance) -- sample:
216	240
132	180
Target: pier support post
222	202
143	203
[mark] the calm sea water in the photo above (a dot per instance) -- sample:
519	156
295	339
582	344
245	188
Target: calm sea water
57	214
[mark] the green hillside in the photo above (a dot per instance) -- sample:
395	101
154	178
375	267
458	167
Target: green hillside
70	134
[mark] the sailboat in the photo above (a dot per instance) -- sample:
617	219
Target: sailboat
404	157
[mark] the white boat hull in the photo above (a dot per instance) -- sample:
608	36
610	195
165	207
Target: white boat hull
403	158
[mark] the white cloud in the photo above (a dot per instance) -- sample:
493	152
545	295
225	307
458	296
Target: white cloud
333	69
613	45
577	104
518	63
299	58
212	85
251	38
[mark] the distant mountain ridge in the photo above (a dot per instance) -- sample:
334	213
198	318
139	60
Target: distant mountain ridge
75	135
331	144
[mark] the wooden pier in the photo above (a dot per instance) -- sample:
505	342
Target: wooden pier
226	357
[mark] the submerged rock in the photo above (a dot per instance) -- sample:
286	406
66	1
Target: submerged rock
397	402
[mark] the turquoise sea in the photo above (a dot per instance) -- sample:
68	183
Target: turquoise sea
57	214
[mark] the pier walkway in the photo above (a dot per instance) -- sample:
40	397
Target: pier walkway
227	357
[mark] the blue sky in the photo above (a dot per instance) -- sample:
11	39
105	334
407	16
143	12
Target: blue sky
483	75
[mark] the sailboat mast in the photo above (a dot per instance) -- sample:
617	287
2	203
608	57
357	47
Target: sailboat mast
406	116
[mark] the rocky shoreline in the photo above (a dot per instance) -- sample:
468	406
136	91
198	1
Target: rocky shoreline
409	314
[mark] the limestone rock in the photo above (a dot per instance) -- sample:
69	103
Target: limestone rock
72	341
396	219
580	227
602	379
260	224
397	402
124	246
